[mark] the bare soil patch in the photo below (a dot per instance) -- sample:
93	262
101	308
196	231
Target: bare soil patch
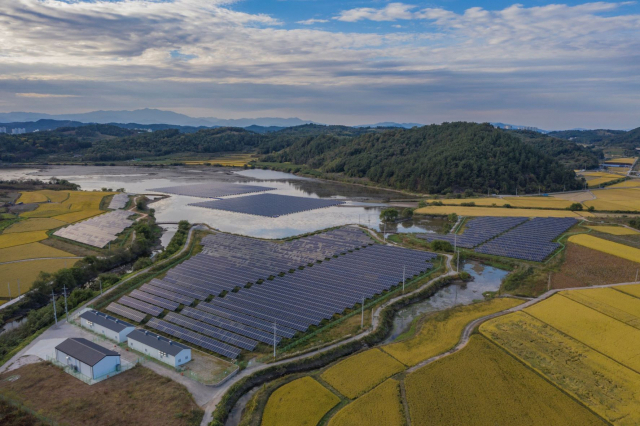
136	397
585	267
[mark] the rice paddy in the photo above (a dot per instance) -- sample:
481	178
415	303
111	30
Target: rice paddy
633	289
525	202
32	197
623	160
78	216
496	211
381	406
606	246
609	301
361	372
85	204
603	333
27	272
608	388
16	239
622	199
442	331
595	179
483	385
631	183
232	160
301	402
29	251
36	224
614	230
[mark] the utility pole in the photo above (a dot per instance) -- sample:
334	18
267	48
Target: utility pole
55	316
274	340
100	281
458	263
66	311
362	318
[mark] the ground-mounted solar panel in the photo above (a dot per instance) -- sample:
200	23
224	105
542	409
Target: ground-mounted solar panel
246	319
140	305
269	205
477	231
181	289
212	189
155	300
194	338
212	331
119	201
123	311
170	295
99	230
226	324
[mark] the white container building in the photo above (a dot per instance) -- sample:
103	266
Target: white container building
87	358
158	347
106	325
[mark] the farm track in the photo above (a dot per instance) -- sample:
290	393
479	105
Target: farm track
41	258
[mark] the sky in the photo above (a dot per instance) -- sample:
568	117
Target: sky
552	65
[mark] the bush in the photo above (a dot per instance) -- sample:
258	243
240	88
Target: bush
389	214
407	213
439	245
143	262
575	207
468	204
422	203
437	203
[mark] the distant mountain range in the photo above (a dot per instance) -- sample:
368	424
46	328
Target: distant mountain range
151	116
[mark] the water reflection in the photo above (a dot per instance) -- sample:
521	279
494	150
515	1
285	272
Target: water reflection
486	278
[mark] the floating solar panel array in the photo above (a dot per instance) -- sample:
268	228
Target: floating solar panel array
478	231
119	201
99	230
269	205
530	241
212	189
123	311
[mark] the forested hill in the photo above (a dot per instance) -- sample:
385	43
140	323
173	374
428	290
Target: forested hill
436	159
629	141
568	153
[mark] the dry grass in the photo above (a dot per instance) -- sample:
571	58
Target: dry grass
604	334
361	372
30	251
10	240
440	332
37	224
608	388
135	397
614	230
503	212
584	267
27	272
302	402
483	385
381	406
74	249
531	202
606	246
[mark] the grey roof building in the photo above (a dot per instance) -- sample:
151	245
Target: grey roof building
106	325
161	348
87	358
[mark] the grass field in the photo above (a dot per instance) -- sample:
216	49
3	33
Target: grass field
604	334
302	402
614	230
622	199
610	302
11	240
135	397
605	386
361	372
27	272
381	406
530	202
30	251
483	385
605	246
504	212
36	224
441	332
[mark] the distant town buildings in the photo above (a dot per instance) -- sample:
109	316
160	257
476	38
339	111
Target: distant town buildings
18	131
3	130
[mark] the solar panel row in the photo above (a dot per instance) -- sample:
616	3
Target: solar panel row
123	311
170	295
154	300
212	189
119	201
141	306
477	231
212	331
268	205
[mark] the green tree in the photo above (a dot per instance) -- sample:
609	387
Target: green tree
389	214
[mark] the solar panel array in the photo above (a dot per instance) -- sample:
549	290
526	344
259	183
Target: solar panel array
154	300
119	201
170	295
141	306
99	230
269	205
478	231
530	241
212	331
123	311
212	189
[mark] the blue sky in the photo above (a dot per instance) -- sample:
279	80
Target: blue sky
554	65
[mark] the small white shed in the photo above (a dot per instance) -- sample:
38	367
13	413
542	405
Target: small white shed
106	325
159	347
87	358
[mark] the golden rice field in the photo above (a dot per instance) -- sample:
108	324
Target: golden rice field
622	199
631	183
633	289
609	301
502	212
74	201
606	246
482	385
77	216
530	202
234	160
606	387
381	406
29	251
27	272
614	230
36	224
32	197
442	331
10	240
594	180
301	402
358	373
623	160
55	196
604	334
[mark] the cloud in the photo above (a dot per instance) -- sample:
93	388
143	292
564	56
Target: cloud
543	62
313	21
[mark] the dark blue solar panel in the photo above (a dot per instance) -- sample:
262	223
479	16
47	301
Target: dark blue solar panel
477	231
212	189
269	205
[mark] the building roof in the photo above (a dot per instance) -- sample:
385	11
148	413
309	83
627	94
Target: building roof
106	321
157	342
85	351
